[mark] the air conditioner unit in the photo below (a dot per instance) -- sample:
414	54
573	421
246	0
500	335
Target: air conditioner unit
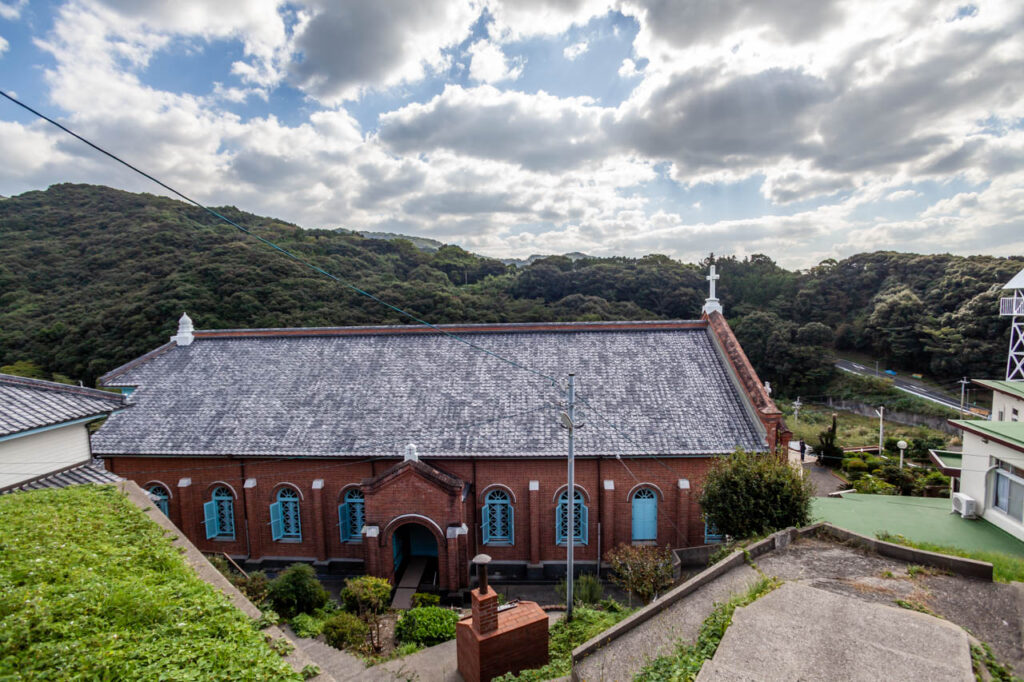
965	506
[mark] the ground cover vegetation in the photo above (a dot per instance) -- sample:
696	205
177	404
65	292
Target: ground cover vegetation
565	636
1005	567
91	589
91	277
748	494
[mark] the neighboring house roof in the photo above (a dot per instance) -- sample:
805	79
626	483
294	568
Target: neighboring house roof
1010	388
90	472
360	392
1010	434
27	404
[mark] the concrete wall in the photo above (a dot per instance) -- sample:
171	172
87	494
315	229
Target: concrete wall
909	418
1003	406
976	480
23	459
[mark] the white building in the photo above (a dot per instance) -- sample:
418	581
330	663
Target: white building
992	465
44	437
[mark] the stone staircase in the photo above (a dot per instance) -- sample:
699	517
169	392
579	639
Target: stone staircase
335	665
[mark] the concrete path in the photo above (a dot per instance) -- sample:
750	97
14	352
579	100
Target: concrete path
624	657
409	583
823	480
797	632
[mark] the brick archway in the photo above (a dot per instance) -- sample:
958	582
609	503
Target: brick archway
394	532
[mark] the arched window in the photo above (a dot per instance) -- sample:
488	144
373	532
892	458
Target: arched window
711	534
160	497
285	523
219	514
498	518
645	515
579	522
351	514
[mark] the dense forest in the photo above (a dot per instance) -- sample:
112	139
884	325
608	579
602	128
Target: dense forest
91	277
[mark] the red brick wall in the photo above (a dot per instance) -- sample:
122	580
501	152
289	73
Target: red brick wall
411	493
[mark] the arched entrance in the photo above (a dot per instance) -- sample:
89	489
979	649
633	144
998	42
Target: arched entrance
414	556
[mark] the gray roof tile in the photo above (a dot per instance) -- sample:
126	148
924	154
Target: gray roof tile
90	472
31	403
369	394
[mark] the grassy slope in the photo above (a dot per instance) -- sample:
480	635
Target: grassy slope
92	589
854	430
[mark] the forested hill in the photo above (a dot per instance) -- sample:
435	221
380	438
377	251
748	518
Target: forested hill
91	277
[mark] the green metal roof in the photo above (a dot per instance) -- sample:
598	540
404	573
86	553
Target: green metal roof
1014	388
949	460
1010	433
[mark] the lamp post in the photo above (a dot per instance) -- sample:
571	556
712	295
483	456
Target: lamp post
902	445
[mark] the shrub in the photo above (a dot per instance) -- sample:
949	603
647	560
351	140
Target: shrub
873	462
366	594
854	464
345	631
586	589
255	587
936	478
426	625
425	599
750	494
874	486
642	570
306	625
902	479
296	590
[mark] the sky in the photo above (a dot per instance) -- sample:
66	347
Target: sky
800	130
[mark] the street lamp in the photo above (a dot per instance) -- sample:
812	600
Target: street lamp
902	445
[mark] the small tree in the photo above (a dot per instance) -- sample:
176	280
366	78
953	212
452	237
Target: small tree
369	597
749	494
641	570
829	453
296	590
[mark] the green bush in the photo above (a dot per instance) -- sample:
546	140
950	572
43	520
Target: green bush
586	589
873	462
642	570
750	494
345	631
874	486
425	599
426	625
306	625
852	464
936	478
366	594
255	587
296	590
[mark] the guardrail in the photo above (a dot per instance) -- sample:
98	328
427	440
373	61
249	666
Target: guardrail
1011	306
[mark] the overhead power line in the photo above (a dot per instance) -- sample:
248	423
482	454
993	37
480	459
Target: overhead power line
279	248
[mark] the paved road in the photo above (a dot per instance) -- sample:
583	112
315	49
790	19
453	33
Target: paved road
903	383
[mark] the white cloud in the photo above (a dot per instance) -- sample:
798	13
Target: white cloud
575	50
488	63
628	69
11	11
901	195
3	45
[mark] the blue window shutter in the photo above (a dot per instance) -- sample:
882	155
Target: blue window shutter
486	525
210	519
343	512
511	525
276	521
559	527
584	525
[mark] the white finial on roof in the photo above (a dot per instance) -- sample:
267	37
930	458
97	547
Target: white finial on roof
410	453
711	305
184	336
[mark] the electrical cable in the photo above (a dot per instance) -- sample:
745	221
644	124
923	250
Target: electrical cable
281	249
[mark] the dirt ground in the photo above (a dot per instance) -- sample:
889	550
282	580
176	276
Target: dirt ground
990	611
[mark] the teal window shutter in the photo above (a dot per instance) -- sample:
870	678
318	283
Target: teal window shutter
486	525
584	525
161	495
343	522
276	521
511	525
210	519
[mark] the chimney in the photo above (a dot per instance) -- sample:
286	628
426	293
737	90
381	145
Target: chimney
184	336
485	600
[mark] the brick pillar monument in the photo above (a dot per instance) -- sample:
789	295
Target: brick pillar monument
252	514
682	513
187	521
534	569
607	516
491	643
318	520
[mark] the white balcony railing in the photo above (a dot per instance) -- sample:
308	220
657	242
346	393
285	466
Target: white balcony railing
1011	306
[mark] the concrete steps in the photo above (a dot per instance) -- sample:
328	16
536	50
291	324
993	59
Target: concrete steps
335	665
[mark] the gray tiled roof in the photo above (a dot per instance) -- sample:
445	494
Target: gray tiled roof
370	394
90	472
30	403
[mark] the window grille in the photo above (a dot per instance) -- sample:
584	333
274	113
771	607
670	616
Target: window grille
162	497
285	522
219	514
351	516
498	518
580	524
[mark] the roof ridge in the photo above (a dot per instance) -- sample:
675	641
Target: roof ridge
44	385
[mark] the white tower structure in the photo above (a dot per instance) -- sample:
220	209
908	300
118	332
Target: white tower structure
1014	306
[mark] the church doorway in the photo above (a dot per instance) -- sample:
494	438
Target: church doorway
414	552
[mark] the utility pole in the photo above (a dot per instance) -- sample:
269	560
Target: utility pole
963	385
881	429
569	421
796	410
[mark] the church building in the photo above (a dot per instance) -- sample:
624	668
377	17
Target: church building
362	449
